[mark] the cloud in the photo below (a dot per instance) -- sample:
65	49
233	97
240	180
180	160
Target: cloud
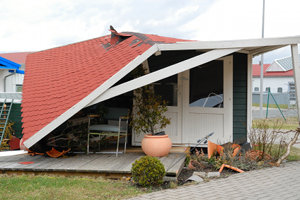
236	19
282	18
34	25
227	19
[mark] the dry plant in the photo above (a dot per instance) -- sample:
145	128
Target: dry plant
263	137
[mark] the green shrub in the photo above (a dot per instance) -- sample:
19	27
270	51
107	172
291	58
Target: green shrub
148	171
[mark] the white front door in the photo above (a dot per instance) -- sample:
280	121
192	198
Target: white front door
207	102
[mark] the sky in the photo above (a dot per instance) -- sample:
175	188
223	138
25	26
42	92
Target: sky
34	25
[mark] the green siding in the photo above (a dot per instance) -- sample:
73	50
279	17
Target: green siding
15	116
239	98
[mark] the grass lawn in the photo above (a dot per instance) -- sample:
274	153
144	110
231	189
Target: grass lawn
281	106
291	123
58	187
294	155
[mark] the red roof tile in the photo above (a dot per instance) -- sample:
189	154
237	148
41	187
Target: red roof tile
256	71
59	78
19	58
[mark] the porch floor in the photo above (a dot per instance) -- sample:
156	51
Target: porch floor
93	164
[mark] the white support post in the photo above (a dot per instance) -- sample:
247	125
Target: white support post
296	66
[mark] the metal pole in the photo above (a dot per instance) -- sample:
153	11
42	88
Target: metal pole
262	66
267	112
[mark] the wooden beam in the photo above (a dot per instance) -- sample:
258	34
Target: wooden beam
163	73
261	50
296	66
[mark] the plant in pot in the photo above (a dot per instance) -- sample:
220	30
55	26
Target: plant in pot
149	119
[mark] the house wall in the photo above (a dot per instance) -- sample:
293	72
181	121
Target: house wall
240	97
11	81
273	82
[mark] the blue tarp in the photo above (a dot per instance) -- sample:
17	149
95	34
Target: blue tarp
10	66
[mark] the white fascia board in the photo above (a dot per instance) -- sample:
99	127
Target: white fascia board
230	44
163	73
92	96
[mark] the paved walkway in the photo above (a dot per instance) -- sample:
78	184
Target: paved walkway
271	183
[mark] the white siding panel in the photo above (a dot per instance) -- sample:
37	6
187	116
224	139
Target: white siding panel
172	128
201	125
12	81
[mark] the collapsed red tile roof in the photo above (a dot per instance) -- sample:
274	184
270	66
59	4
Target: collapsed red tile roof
256	71
19	57
58	78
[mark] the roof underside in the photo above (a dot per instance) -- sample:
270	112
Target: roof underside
61	81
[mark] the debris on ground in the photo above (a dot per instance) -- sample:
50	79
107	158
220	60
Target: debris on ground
26	162
213	174
195	178
230	167
33	153
53	153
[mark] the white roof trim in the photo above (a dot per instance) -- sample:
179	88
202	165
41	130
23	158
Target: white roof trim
163	73
230	44
93	95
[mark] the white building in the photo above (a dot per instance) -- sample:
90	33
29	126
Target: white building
11	84
278	79
275	81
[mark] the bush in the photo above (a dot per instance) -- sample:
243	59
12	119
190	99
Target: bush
148	171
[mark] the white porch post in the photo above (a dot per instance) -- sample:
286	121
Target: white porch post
296	66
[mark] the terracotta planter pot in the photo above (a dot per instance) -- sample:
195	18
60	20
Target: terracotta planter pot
156	145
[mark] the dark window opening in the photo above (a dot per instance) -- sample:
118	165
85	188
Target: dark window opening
206	85
167	89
